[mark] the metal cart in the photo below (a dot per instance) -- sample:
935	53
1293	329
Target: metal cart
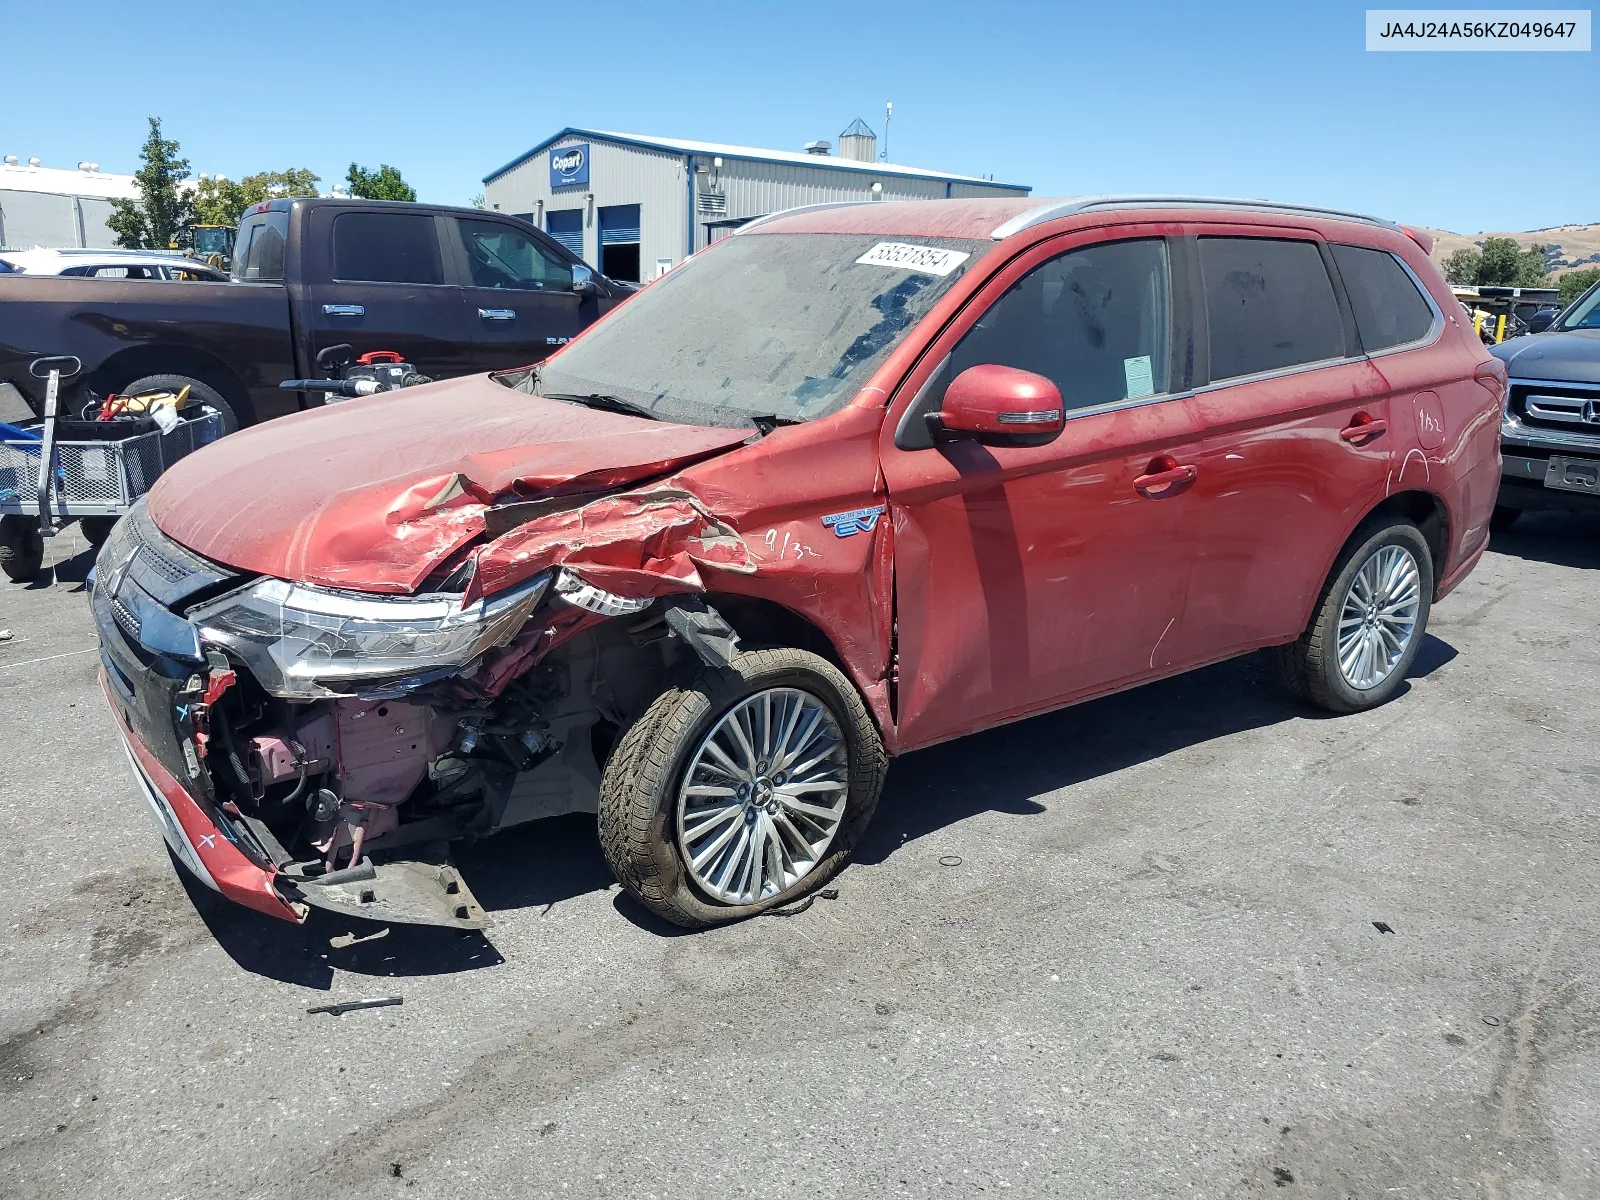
93	480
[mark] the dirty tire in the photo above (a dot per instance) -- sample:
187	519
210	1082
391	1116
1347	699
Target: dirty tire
640	786
96	529
1503	518
21	548
198	390
1308	667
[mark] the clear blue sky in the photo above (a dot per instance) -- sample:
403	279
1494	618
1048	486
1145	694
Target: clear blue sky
1268	100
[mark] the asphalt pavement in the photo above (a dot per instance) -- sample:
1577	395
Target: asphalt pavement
1191	940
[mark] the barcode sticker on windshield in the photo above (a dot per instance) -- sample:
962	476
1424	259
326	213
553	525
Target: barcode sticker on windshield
929	260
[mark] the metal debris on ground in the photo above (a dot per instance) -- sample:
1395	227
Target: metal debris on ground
1382	927
950	860
352	1005
1491	1020
793	910
829	893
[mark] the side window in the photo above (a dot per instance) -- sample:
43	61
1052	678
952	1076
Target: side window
381	247
1388	308
500	256
1269	305
259	255
1095	321
115	272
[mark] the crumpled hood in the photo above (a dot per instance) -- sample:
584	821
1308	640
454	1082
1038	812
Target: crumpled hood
1570	356
373	494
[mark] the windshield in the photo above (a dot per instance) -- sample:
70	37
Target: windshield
786	325
1585	312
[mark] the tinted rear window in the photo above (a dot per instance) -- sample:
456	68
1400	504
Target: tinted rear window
1388	308
260	247
374	247
1269	304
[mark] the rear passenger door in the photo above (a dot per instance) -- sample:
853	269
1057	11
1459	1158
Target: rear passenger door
383	286
517	290
1286	466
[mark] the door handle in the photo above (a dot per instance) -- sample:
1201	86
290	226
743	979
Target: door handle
343	310
1165	477
1362	427
498	314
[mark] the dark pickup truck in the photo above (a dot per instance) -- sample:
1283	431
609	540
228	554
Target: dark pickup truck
453	290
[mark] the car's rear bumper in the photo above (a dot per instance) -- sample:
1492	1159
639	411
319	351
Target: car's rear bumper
205	847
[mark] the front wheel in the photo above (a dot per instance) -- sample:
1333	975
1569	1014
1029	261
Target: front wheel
1369	623
21	548
741	790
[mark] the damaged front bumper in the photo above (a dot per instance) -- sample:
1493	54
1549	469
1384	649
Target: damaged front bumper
162	686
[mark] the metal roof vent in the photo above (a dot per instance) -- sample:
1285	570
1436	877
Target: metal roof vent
858	142
819	147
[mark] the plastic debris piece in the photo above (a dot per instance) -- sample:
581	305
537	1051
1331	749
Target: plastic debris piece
950	860
352	1005
1382	927
1491	1020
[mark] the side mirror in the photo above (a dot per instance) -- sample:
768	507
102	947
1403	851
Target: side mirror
583	281
994	403
1541	321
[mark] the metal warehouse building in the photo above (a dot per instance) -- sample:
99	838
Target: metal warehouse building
634	206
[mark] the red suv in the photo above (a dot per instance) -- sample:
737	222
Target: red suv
855	480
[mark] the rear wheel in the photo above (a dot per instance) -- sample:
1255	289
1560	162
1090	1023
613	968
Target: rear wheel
1368	625
96	529
741	790
21	548
199	391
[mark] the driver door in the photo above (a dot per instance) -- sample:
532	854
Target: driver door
1027	576
518	293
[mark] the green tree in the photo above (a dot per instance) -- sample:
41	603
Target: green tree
383	184
1461	267
153	220
220	201
478	201
1574	283
1506	264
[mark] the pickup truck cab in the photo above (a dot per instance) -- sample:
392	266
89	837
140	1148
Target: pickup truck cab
454	291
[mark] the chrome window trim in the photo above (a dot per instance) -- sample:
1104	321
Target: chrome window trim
1095	410
1280	372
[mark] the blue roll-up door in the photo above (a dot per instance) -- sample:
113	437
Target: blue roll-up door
619	224
566	226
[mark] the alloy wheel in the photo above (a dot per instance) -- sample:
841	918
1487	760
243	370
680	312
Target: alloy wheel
1379	616
763	796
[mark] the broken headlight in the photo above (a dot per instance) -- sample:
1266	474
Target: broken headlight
305	643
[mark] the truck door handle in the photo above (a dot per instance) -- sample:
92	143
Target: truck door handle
1362	427
1164	477
498	314
344	310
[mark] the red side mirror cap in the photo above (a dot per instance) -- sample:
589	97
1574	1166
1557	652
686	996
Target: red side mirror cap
989	400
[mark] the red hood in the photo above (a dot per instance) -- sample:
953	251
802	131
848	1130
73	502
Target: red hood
372	494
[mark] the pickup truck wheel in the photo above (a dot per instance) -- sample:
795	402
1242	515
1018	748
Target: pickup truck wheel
21	548
1369	622
198	389
742	789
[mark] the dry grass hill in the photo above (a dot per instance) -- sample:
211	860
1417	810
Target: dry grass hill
1567	247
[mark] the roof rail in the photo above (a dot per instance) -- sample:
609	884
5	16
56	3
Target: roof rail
800	208
1074	205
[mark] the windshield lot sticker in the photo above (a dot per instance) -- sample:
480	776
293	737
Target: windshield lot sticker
860	520
929	260
1140	379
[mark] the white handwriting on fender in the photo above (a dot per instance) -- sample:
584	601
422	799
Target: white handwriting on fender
792	547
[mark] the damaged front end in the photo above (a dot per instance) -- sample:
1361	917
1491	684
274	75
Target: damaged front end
306	746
